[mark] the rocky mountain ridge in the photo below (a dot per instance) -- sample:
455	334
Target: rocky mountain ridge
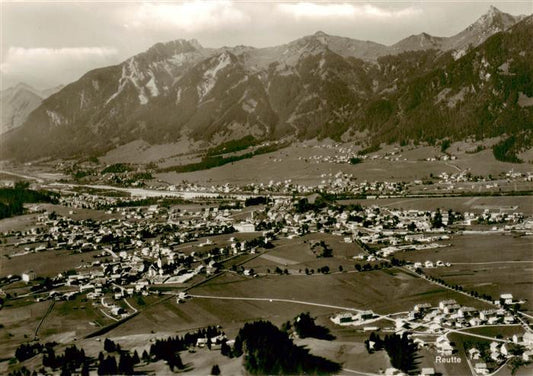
316	86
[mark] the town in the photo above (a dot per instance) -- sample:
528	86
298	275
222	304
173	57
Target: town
119	254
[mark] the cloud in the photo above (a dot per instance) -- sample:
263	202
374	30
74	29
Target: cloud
344	11
50	65
191	16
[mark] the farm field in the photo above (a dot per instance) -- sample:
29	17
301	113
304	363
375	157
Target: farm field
66	322
18	325
45	264
71	320
78	214
197	313
352	355
488	264
295	163
493	280
397	290
521	204
18	223
496	248
297	254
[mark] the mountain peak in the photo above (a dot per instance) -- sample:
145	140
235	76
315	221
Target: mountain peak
24	86
320	33
175	46
21	87
195	44
492	15
493	10
492	21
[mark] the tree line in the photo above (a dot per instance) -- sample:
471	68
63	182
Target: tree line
12	200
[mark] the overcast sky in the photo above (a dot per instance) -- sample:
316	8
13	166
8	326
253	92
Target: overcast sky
47	43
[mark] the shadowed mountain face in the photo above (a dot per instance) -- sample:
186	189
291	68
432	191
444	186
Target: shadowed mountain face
316	86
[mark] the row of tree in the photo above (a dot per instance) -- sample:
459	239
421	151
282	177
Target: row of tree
12	200
304	325
401	350
269	351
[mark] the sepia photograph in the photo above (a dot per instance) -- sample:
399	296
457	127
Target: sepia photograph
246	187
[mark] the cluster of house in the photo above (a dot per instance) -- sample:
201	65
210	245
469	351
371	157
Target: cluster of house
442	157
332	183
355	319
424	321
488	182
141	242
498	352
132	252
514	175
424	318
499	216
341	156
451	315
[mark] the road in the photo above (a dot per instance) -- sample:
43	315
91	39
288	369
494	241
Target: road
50	308
494	262
129	305
275	300
108	316
472	370
354	372
479	335
39	180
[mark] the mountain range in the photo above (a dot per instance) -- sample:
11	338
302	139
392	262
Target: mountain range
424	88
18	101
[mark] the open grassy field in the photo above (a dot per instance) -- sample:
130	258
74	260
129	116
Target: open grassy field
492	279
477	249
71	320
383	291
142	152
505	331
522	204
18	325
79	214
198	313
18	223
488	264
297	254
296	162
380	291
352	355
45	264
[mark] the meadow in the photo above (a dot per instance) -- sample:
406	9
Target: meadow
489	264
521	204
296	163
476	249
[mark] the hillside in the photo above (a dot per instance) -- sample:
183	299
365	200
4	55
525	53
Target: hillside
18	102
317	86
486	93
